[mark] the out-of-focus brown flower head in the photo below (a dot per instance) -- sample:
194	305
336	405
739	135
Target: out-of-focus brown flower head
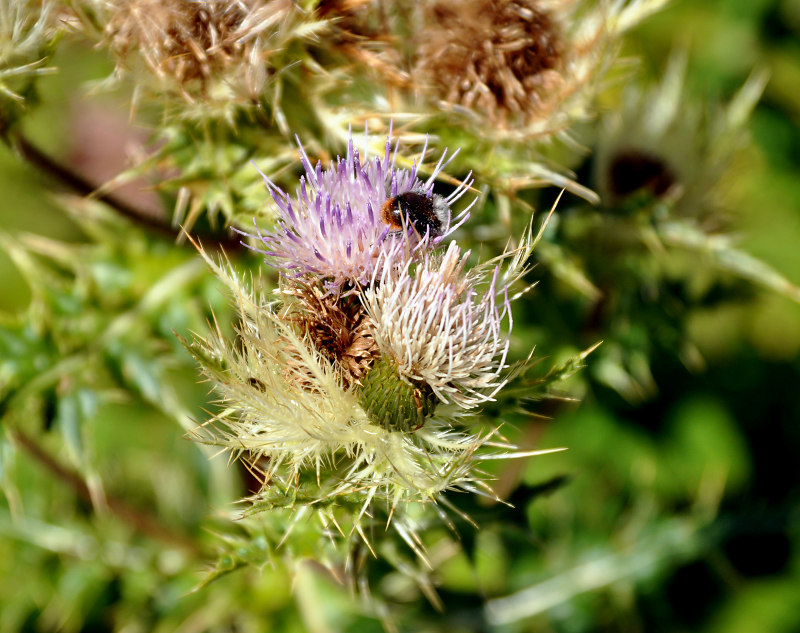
191	42
532	68
503	59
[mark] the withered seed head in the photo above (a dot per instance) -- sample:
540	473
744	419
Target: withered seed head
337	326
190	41
501	57
185	39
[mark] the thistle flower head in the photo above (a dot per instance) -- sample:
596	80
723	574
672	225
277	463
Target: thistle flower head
663	146
285	401
438	330
334	228
337	327
531	66
188	43
352	386
500	58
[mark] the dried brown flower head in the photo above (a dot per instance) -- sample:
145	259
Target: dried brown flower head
503	58
337	325
528	67
193	41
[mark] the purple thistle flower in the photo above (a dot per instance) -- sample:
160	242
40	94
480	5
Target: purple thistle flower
332	228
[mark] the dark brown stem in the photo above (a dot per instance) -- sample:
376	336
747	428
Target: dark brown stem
78	184
83	187
134	517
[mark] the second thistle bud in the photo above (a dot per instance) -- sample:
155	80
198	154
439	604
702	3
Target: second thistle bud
393	403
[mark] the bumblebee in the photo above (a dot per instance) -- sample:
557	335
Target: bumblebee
427	214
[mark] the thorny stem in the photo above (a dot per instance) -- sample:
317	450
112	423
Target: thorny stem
132	516
77	183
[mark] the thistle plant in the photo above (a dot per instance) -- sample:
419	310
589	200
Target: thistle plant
525	72
214	76
515	74
529	68
190	44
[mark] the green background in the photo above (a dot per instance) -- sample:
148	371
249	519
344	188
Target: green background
681	513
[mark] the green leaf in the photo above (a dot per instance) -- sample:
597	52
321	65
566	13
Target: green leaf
238	552
719	248
73	411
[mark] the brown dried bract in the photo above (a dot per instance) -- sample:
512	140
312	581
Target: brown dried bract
498	56
337	326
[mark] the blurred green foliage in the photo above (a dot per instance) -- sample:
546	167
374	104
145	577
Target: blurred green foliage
674	512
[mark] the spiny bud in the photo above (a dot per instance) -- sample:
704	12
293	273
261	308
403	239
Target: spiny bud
393	403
